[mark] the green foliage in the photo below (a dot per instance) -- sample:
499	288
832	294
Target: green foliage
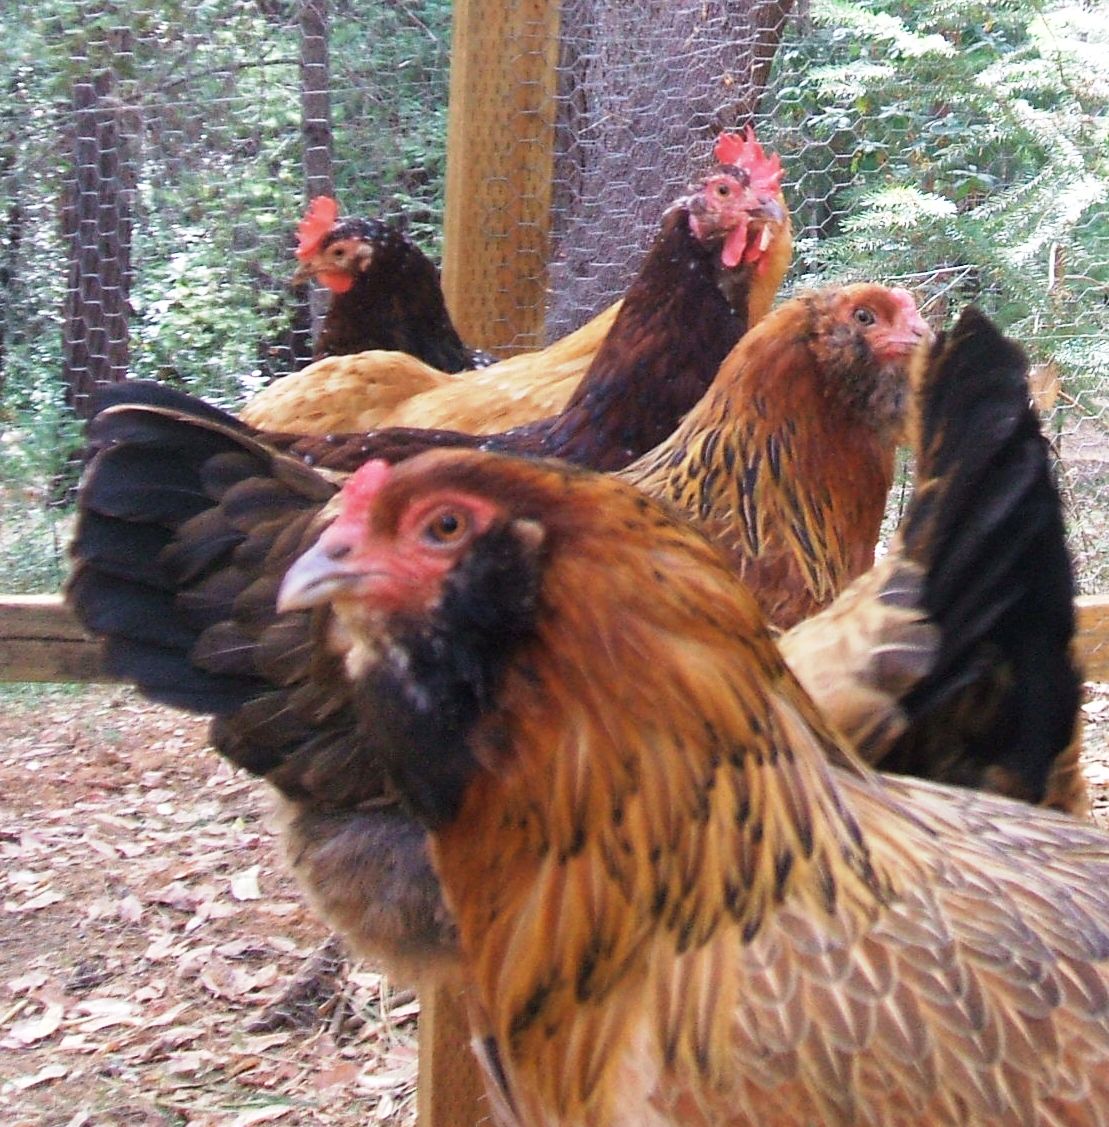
209	112
965	148
389	86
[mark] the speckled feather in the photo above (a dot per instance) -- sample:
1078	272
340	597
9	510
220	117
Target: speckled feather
787	460
680	899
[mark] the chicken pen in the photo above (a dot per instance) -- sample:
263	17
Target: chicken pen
163	154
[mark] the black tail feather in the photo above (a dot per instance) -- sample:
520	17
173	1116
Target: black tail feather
987	526
180	507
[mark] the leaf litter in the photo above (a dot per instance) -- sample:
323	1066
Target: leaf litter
148	931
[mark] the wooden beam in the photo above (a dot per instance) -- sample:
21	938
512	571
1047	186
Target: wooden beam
40	640
500	163
500	159
1093	635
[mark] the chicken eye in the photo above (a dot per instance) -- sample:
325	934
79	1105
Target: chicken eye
723	191
446	527
864	316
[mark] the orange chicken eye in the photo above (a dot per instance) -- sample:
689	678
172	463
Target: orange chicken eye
723	191
864	316
446	528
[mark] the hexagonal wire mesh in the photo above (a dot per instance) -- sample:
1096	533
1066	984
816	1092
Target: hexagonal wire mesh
155	157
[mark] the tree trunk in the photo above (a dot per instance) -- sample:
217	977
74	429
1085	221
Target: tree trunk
642	87
315	104
97	208
10	239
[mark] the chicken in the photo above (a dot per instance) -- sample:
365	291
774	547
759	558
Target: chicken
680	896
385	290
916	663
188	522
713	271
788	459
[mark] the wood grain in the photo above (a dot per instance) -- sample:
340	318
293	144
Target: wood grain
500	159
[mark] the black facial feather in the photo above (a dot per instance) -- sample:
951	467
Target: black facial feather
420	703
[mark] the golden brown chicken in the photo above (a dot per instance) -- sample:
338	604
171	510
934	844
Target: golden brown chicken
680	897
187	523
788	459
720	257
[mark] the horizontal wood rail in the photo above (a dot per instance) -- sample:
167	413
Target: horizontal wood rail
41	641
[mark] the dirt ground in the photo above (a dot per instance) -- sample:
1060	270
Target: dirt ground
146	923
147	928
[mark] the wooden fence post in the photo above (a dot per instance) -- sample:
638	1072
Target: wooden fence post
500	158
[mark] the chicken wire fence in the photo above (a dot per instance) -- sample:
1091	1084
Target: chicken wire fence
155	158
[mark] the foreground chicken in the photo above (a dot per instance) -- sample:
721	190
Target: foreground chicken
680	897
188	522
385	292
713	271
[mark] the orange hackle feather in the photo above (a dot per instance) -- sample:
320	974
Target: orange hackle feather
313	228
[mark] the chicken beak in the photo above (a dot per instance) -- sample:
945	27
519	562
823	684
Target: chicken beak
768	211
905	343
305	272
318	575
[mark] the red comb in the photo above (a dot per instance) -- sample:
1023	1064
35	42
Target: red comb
318	220
745	152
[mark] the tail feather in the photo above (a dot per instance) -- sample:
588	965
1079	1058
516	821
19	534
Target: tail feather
187	519
952	659
1001	700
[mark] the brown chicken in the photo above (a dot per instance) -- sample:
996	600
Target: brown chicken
188	521
385	290
788	459
680	896
951	658
713	271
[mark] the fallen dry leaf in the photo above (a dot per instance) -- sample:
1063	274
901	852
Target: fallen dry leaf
42	900
39	1027
43	1076
30	981
129	909
244	885
261	1115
